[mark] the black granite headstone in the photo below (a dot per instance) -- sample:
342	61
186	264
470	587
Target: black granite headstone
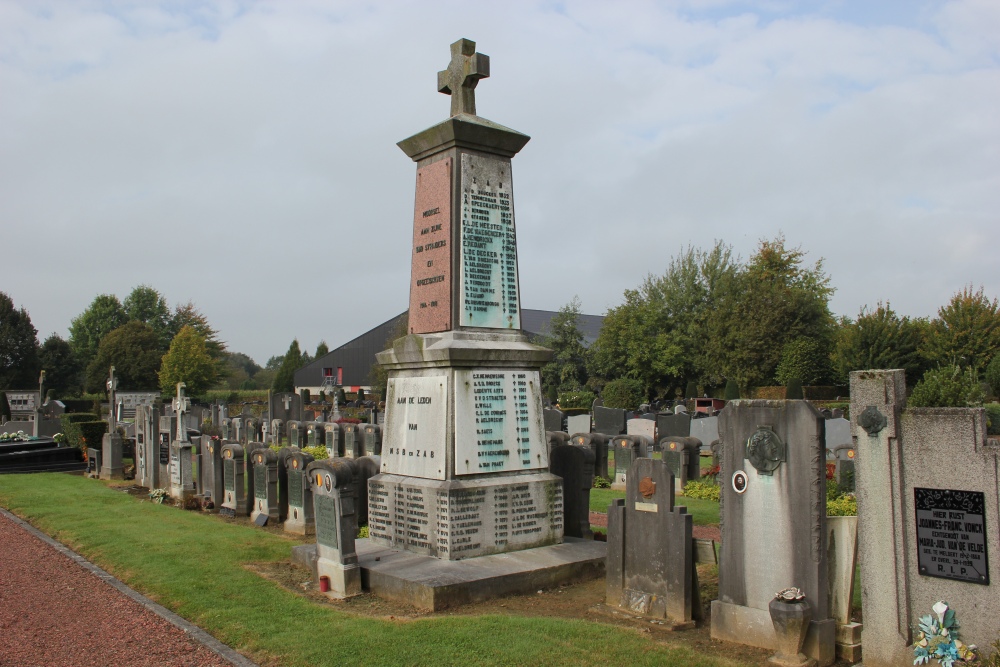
576	467
598	444
610	421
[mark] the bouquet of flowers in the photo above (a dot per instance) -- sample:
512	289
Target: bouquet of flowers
939	638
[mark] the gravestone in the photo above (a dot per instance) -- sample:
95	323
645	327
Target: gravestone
575	465
252	427
838	432
372	436
286	406
251	479
146	446
554	419
315	434
682	456
296	433
555	438
167	429
464	434
111	444
181	470
234	501
227	429
651	561
641	426
597	443
773	521
277	430
300	503
354	442
928	517
627	449
334	506
334	440
237	431
845	471
705	429
578	423
610	421
265	486
210	471
674	425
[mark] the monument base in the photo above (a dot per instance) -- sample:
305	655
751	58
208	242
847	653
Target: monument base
457	519
111	457
297	523
339	581
748	625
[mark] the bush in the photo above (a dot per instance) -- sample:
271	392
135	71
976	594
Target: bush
845	505
601	483
793	390
803	359
91	433
947	387
70	426
576	400
623	393
702	490
992	418
993	375
691	391
732	390
318	453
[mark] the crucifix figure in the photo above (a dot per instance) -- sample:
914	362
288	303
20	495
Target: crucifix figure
464	71
112	385
181	405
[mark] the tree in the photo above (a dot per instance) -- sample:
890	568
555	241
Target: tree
775	299
879	339
947	387
804	359
239	370
993	375
63	372
285	378
19	363
966	332
86	330
188	315
187	361
568	369
622	393
145	304
322	349
134	350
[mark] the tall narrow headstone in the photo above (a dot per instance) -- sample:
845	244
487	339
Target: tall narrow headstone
463	434
265	486
627	449
300	503
682	456
773	520
597	443
210	470
181	471
354	440
575	465
372	436
334	507
334	441
234	501
111	445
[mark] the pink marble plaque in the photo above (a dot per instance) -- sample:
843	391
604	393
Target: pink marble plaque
430	273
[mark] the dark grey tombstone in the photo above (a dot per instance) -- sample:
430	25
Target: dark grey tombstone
236	430
315	434
354	443
265	486
210	471
365	468
334	509
673	425
252	428
286	406
650	563
227	428
597	443
334	441
845	472
683	457
648	415
283	461
773	519
554	419
300	519
372	434
93	462
627	449
277	431
610	421
598	403
234	501
250	478
576	467
167	429
554	439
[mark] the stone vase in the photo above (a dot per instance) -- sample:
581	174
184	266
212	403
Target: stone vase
791	622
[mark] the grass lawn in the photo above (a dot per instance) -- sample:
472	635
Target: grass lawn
193	563
705	512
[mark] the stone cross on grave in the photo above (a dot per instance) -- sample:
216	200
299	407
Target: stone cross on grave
287	400
181	404
112	385
464	71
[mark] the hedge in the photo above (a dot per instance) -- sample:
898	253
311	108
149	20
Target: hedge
70	426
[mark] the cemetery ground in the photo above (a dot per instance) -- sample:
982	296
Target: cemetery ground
236	582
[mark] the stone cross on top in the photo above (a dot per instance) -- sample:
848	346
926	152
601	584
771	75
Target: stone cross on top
181	405
112	385
464	71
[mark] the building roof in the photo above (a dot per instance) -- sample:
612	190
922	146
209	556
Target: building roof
356	357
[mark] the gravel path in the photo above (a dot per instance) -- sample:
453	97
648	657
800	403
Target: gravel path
53	611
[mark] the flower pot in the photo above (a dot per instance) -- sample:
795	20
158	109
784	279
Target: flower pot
791	622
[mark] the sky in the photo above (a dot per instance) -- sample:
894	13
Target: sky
241	155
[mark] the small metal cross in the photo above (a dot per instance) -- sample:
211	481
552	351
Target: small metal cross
464	71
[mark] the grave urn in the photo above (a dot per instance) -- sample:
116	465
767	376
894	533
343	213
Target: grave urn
790	616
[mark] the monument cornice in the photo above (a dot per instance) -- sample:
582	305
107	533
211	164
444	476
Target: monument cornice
464	131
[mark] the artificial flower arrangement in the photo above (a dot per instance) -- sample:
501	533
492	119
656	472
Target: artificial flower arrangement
13	437
939	638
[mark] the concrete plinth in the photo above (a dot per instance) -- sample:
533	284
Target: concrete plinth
111	457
